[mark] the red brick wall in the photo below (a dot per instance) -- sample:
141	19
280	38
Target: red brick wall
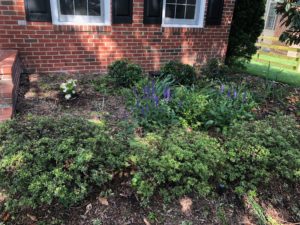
44	47
278	28
10	70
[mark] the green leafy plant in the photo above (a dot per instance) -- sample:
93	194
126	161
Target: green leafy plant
247	165
69	88
124	73
228	104
47	160
104	85
222	216
279	137
97	222
151	105
186	222
175	163
189	106
257	209
214	69
181	73
289	11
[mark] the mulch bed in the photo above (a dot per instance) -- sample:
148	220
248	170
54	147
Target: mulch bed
40	95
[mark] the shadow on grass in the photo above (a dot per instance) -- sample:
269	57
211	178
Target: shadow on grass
274	73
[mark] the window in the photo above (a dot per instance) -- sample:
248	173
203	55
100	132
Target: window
183	13
81	12
271	18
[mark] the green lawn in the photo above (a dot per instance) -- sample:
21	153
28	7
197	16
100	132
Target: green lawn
274	73
291	61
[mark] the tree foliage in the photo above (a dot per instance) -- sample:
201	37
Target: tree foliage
247	25
290	17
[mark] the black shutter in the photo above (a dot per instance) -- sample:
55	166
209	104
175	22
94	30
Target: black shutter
214	12
152	11
38	10
122	11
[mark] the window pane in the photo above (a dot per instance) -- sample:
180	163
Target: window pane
95	7
190	12
180	11
170	11
271	19
66	7
80	7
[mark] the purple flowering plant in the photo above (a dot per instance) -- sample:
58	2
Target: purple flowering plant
151	105
228	104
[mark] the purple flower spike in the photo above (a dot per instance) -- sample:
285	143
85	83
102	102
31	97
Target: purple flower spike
167	94
146	90
156	100
235	95
222	89
228	94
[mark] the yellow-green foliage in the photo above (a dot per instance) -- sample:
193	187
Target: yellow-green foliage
175	163
45	160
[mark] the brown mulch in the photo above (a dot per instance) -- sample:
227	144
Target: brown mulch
40	95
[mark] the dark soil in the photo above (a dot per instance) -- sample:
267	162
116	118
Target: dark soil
40	95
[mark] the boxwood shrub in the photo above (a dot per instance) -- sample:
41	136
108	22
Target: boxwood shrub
124	73
183	74
54	160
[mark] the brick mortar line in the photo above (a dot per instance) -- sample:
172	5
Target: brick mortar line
3	106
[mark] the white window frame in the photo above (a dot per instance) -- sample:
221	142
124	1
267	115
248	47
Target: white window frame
198	22
267	16
58	19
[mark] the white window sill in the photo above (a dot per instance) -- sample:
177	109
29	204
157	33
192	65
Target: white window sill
182	26
81	23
